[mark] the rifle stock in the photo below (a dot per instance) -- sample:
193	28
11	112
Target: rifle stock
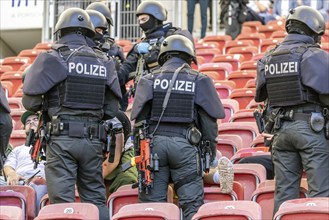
39	143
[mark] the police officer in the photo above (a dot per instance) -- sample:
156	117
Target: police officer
6	125
108	44
76	86
142	58
177	125
294	78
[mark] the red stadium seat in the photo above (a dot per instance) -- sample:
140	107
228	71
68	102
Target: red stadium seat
15	62
152	211
253	104
237	43
245	115
208	54
223	69
264	196
207	45
17	137
30	53
325	46
29	195
258	142
200	60
213	193
16	116
246	130
5	68
254	149
7	86
11	212
251	83
248	52
43	46
250	176
126	195
279	23
304	209
267	30
243	96
76	211
15	199
229	210
252	24
13	76
227	147
255	37
249	65
239	155
19	92
15	103
246	29
234	60
45	199
220	39
223	89
268	44
280	34
230	106
236	139
241	77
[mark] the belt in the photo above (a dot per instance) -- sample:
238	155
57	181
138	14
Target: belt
77	129
170	131
301	117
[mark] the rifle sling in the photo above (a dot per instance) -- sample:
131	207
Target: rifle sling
168	93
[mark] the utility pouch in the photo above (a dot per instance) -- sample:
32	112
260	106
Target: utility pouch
193	135
316	121
76	129
56	126
102	133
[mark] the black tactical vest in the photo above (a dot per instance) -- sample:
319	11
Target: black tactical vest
84	87
283	78
180	108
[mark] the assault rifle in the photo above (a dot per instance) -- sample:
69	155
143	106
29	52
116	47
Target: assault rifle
38	140
137	75
147	162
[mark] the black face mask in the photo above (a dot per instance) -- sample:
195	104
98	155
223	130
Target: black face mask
149	25
98	37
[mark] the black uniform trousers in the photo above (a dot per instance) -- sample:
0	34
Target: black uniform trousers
178	159
297	146
77	161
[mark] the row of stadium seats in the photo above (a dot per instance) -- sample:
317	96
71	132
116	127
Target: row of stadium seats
18	201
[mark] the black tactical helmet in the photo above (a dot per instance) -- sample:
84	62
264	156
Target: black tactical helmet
75	19
102	8
176	43
152	8
308	16
97	19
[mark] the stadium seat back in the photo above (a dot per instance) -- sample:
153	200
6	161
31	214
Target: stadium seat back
148	211
29	195
75	211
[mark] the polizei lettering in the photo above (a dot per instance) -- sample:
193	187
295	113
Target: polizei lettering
87	69
281	68
179	85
